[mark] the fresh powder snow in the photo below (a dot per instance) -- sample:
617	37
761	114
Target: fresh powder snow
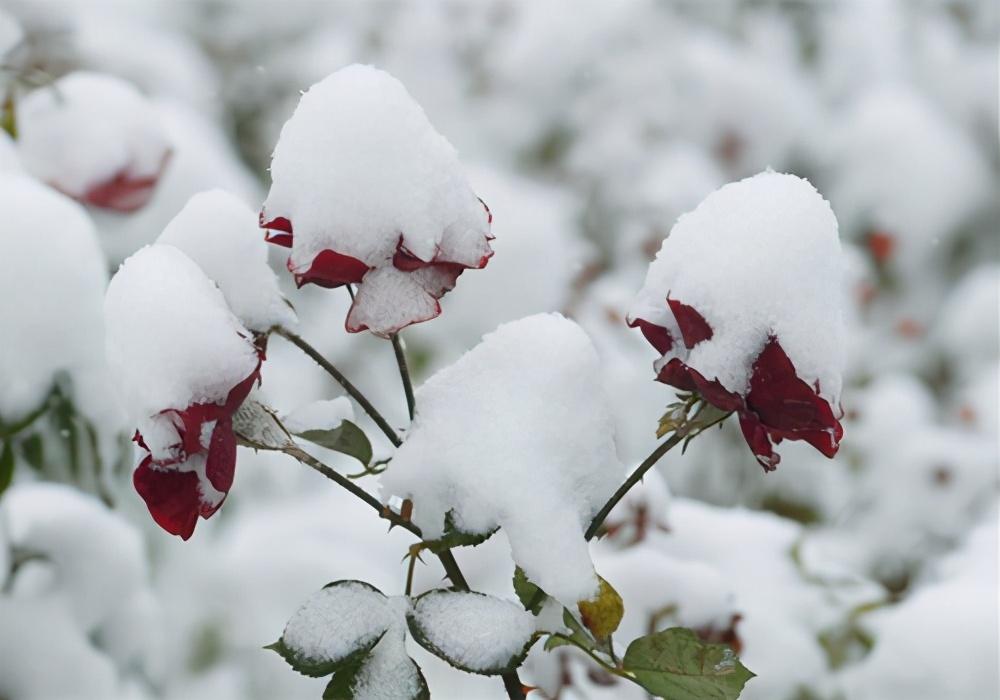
219	232
478	632
337	621
52	278
517	434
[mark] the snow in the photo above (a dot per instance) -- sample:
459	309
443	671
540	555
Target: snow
337	621
97	559
11	33
922	653
319	415
219	232
389	674
86	128
517	434
757	258
358	169
478	632
171	339
358	165
10	162
50	257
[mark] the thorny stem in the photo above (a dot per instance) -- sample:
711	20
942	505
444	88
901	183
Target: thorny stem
633	479
354	392
682	434
404	373
383	511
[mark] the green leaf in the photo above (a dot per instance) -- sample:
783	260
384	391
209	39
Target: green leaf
33	449
676	665
531	596
321	602
453	537
343	684
6	465
466	647
347	438
602	614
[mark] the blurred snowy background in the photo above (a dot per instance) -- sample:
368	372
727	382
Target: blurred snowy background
587	127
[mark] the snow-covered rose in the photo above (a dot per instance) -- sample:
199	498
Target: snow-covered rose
218	231
95	138
743	303
183	364
366	192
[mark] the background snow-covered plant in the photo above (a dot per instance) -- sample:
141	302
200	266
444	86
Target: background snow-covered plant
587	134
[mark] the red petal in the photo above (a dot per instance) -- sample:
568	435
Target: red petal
694	327
677	374
657	336
759	441
124	192
787	406
331	269
280	224
220	465
172	497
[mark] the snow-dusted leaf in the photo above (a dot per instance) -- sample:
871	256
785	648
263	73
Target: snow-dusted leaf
6	465
387	673
676	665
603	613
347	438
454	537
531	596
256	426
474	632
335	628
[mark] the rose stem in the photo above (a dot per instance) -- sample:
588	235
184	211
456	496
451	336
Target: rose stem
404	372
342	380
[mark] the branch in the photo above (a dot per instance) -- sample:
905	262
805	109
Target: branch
633	479
404	373
355	393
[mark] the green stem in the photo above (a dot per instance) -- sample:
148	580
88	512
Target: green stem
404	373
354	392
633	479
383	511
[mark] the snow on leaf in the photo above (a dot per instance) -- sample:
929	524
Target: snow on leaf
335	628
474	632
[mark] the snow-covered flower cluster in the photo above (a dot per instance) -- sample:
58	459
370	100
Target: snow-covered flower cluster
493	475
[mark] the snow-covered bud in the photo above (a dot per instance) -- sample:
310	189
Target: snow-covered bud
743	303
219	232
183	364
95	138
366	192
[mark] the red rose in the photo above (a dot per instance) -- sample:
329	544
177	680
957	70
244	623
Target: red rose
173	494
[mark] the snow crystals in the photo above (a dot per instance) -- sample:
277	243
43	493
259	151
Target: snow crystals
516	434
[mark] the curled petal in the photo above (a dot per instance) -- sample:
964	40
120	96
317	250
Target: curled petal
657	336
282	226
330	269
173	497
694	327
